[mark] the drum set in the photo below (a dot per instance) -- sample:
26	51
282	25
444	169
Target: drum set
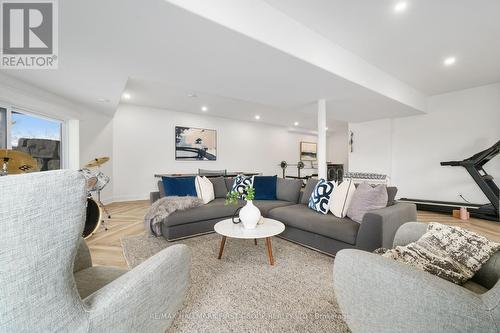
16	162
96	181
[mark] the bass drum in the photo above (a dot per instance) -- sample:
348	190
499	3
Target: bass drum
93	219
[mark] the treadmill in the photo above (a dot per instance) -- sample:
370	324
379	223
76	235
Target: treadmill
474	166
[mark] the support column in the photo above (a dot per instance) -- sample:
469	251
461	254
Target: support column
321	139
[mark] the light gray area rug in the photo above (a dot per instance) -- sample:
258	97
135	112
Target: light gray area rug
243	293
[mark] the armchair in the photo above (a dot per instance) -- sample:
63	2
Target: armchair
379	295
41	222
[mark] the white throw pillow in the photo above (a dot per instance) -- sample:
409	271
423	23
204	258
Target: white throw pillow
204	189
341	198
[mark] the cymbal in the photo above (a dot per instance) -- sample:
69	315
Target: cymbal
18	162
97	162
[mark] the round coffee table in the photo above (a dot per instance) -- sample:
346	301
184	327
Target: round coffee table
266	230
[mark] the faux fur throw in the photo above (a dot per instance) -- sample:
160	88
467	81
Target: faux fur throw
451	253
165	206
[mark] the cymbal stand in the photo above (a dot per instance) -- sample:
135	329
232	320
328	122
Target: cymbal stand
101	205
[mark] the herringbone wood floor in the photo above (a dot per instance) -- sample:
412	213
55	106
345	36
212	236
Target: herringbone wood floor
127	219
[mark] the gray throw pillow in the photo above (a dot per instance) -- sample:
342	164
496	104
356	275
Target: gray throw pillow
308	190
219	184
288	189
229	183
391	195
161	189
365	199
452	253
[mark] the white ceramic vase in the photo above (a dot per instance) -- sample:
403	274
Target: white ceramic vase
249	215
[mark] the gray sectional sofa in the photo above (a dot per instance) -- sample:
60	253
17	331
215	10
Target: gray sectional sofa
325	233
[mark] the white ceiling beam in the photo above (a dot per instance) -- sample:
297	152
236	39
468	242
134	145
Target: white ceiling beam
264	23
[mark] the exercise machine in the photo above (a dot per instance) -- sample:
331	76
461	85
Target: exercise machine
474	166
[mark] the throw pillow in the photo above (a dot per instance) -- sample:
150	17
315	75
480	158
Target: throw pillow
308	190
321	195
179	186
204	189
220	188
341	198
452	253
365	199
391	195
265	187
240	183
288	189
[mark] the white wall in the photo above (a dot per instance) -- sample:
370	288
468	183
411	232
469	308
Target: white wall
96	140
95	129
458	125
337	146
143	144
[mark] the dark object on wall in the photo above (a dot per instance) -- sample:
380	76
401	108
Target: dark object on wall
335	172
45	152
195	144
473	165
351	141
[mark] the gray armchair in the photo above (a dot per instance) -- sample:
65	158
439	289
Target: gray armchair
41	222
380	295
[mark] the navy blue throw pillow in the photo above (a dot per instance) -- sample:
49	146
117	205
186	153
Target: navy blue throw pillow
265	187
179	186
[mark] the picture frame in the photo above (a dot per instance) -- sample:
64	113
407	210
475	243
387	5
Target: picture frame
308	151
195	144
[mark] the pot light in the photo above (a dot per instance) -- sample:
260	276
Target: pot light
449	61
400	7
257	117
204	108
126	96
192	95
296	123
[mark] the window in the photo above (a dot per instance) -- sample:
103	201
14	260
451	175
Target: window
40	137
3	128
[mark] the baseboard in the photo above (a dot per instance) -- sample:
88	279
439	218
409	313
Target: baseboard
122	198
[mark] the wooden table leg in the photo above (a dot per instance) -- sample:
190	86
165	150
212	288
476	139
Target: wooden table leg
222	242
255	241
270	250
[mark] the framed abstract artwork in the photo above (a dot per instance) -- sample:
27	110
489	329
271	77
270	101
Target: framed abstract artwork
195	144
308	151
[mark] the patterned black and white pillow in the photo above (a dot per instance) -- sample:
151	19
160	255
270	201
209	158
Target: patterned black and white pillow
240	183
321	195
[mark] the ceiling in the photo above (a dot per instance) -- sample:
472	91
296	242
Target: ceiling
412	45
159	53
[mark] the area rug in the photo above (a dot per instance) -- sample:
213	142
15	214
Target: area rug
243	293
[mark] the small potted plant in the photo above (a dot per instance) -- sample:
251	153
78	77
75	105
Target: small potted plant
249	214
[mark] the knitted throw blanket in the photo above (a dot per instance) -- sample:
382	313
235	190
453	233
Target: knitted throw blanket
452	253
165	206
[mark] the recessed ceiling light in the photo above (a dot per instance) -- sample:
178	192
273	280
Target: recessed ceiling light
257	117
400	7
126	95
204	108
449	61
296	123
103	100
192	95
